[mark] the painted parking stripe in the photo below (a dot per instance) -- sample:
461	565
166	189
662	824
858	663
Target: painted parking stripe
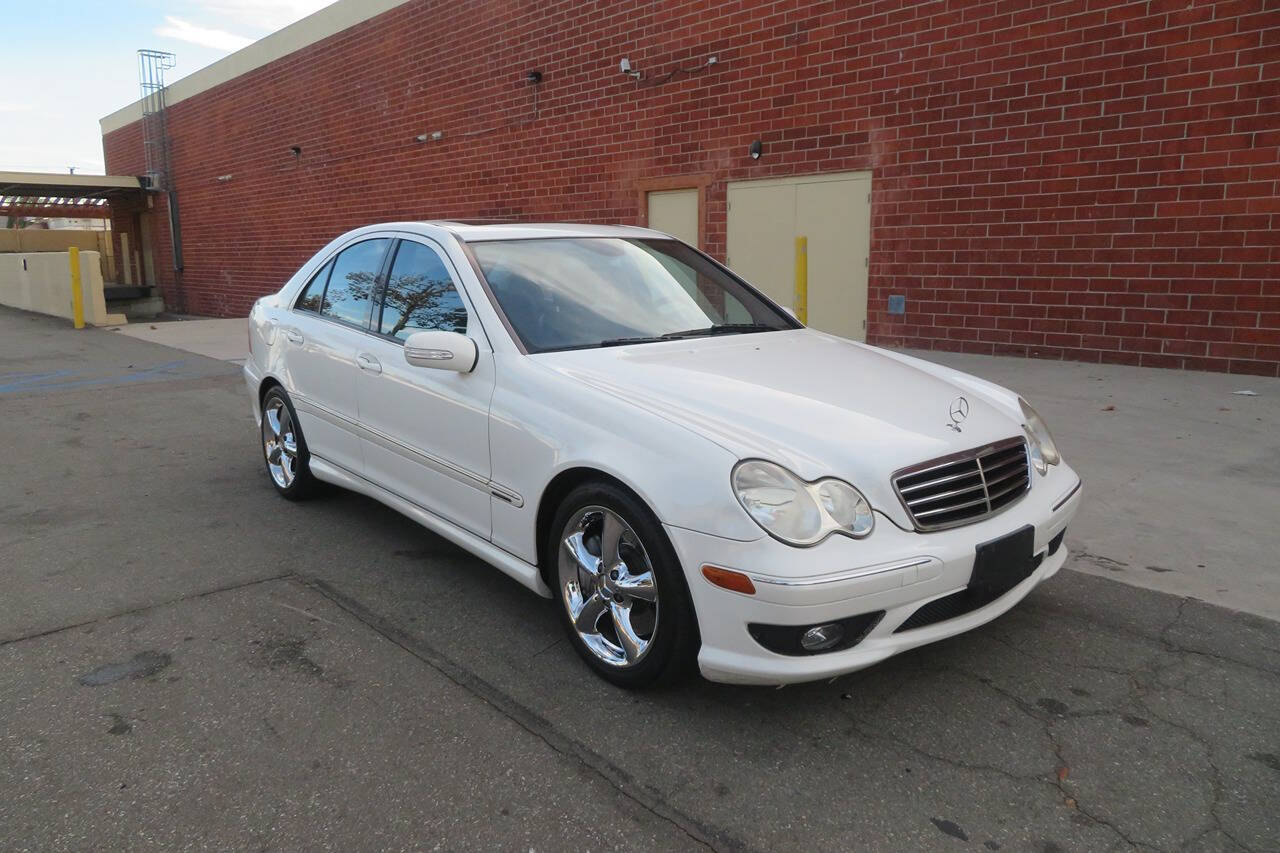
154	373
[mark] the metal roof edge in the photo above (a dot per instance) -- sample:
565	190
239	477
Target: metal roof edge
129	182
317	26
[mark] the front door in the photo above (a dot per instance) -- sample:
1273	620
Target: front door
323	333
426	431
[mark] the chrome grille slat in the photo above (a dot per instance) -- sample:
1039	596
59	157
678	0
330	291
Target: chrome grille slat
1002	459
964	487
991	496
1016	472
940	481
926	499
982	500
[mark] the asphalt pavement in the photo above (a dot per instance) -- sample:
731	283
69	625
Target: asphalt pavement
188	661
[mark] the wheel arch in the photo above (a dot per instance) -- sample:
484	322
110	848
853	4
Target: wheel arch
554	494
268	382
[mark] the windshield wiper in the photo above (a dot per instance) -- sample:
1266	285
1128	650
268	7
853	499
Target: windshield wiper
644	339
722	329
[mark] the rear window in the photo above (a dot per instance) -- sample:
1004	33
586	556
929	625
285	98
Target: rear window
312	297
349	294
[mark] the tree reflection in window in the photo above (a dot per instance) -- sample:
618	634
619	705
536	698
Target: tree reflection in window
351	283
312	298
420	295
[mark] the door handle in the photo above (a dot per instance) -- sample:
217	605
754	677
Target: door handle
293	336
365	361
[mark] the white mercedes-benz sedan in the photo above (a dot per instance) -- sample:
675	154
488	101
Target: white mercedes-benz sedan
627	428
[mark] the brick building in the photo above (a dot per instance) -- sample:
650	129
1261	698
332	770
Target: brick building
1085	179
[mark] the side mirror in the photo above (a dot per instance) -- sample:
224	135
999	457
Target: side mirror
441	350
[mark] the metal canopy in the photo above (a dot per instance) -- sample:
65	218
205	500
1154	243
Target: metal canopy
51	189
67	186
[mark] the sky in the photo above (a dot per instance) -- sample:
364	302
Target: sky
68	63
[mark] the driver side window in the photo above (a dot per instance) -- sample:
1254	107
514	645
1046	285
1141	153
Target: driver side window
420	295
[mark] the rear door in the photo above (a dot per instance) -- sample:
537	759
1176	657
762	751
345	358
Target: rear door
323	334
426	431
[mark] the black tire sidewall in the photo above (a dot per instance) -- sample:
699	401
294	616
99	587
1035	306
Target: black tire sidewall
303	483
672	655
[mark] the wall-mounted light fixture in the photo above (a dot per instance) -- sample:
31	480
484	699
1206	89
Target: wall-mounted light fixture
295	150
222	179
755	149
434	136
533	77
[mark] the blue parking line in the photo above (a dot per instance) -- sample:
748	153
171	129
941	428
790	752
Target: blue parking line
35	382
27	378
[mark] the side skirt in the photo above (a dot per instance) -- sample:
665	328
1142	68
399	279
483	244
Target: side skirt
524	573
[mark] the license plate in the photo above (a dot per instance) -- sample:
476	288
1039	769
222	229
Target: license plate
1003	563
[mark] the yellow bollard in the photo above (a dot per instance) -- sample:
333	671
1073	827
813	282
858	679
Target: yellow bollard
77	292
802	279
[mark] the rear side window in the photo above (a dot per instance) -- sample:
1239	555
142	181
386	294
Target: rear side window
312	297
420	295
351	284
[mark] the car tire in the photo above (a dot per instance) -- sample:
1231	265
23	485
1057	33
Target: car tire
633	633
284	450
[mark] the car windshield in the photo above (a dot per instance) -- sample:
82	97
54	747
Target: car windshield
583	292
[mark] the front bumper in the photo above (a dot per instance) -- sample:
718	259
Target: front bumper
893	570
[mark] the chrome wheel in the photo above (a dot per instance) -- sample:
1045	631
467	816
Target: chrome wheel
607	586
280	442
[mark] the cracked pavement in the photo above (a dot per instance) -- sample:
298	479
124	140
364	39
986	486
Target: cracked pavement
186	660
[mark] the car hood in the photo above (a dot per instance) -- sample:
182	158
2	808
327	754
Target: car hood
818	404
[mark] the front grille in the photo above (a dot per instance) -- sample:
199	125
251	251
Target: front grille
964	487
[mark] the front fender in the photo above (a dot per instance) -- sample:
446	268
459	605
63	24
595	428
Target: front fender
542	424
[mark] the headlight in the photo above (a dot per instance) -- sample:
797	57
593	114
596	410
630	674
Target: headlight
846	506
1043	451
797	512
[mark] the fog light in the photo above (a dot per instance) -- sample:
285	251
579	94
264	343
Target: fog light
821	637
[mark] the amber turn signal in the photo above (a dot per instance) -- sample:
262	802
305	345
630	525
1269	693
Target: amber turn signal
729	579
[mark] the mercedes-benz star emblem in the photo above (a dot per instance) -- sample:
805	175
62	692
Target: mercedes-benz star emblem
959	411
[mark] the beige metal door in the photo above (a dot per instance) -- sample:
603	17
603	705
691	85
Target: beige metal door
676	213
761	237
834	213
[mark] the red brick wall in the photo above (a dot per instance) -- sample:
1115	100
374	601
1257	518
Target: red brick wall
1085	179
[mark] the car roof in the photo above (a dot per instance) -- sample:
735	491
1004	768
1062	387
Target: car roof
473	232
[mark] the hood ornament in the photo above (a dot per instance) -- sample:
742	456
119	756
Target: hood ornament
959	411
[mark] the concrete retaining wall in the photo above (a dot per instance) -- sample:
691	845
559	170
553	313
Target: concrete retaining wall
59	240
41	282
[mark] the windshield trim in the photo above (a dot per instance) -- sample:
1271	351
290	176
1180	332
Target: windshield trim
791	322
